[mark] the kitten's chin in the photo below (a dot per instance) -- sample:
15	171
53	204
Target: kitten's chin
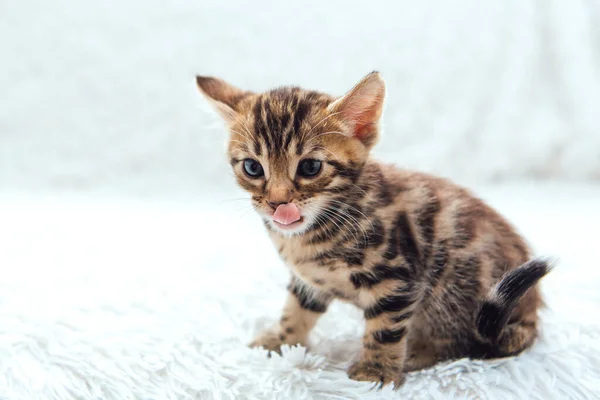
295	228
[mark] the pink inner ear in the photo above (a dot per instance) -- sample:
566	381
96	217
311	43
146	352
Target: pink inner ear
365	123
363	112
362	106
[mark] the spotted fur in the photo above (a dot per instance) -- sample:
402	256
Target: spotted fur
439	274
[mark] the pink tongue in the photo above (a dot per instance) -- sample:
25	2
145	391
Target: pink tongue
286	214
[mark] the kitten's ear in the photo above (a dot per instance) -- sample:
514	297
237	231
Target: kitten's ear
361	108
223	96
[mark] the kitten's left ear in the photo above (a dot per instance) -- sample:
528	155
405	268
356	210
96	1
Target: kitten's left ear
224	97
361	108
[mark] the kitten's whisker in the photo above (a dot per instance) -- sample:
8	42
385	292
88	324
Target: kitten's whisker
249	139
242	124
320	220
246	210
237	141
355	220
359	188
327	150
356	223
333	217
325	133
241	134
355	209
346	220
221	203
351	208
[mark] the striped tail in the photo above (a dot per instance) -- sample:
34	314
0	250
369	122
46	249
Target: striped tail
496	308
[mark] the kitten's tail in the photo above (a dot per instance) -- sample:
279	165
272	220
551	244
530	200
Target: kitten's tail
504	296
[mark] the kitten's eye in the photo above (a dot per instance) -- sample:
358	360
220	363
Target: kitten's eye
253	168
309	168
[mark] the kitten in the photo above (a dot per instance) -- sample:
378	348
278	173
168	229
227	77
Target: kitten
439	274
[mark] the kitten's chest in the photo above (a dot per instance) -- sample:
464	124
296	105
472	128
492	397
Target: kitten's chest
332	277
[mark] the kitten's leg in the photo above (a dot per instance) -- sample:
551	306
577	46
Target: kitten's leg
426	353
303	308
522	328
385	341
419	361
517	337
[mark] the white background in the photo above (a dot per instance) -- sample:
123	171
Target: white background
99	97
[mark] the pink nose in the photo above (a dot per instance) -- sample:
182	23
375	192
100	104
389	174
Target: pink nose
275	204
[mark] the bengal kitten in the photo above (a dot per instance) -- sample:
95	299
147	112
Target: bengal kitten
439	274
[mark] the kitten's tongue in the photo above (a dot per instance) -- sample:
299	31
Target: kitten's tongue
286	214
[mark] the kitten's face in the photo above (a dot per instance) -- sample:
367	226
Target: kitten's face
296	151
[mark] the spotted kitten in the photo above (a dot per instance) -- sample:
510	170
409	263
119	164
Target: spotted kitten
439	274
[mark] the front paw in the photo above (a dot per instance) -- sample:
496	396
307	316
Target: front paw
269	340
376	372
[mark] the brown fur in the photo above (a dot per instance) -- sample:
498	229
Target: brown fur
419	254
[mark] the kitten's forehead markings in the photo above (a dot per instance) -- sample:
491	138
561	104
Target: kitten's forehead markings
259	122
299	147
278	118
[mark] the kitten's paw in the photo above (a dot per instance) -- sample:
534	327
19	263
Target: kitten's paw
269	340
376	372
418	362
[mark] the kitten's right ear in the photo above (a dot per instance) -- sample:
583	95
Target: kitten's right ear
223	96
361	108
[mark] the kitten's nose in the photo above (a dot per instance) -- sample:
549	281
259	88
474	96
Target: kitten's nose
275	204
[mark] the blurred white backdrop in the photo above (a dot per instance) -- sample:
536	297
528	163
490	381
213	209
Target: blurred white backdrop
118	236
100	96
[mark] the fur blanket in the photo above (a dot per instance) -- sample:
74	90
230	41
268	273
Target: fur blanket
125	300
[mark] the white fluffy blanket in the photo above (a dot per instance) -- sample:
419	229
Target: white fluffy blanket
125	300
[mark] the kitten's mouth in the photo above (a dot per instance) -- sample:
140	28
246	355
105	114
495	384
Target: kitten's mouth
290	226
287	216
